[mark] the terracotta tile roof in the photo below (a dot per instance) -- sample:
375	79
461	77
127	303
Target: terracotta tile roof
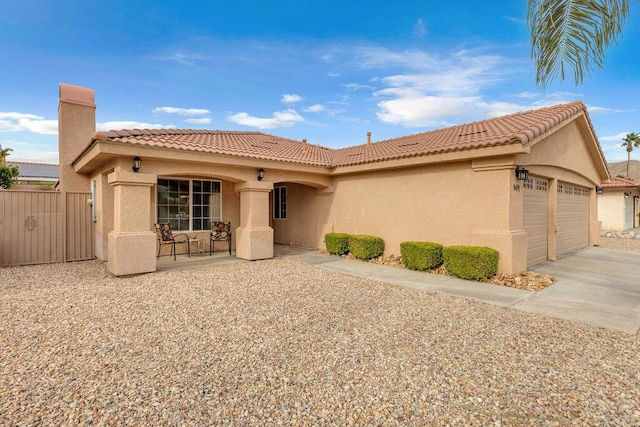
245	144
617	182
518	128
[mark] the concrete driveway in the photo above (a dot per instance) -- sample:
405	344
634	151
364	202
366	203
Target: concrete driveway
595	286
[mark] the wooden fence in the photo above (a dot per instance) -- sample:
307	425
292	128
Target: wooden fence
38	227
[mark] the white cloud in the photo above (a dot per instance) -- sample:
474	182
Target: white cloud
419	28
117	125
520	21
183	58
604	110
17	122
414	109
497	109
437	88
357	86
289	98
330	74
317	108
181	111
286	118
201	121
617	137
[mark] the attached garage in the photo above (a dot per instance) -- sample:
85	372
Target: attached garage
536	219
572	218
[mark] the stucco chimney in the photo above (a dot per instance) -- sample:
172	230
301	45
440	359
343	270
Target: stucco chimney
304	144
368	138
76	125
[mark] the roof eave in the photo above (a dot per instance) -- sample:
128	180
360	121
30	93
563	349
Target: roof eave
511	149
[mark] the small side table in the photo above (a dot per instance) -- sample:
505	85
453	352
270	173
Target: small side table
196	245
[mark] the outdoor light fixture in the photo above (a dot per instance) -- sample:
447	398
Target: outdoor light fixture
137	161
260	174
627	194
521	173
598	190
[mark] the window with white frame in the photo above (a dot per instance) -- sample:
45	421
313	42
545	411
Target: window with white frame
280	203
189	204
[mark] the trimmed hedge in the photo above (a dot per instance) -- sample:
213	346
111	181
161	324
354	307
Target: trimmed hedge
471	262
337	243
365	247
421	256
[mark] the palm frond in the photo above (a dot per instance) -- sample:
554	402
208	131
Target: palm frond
573	34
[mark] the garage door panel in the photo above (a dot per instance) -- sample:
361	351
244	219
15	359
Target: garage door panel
572	218
536	201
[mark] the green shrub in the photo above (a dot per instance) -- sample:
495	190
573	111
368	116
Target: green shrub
421	255
471	262
366	247
337	243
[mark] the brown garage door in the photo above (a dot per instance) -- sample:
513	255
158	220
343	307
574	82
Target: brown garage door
536	202
572	218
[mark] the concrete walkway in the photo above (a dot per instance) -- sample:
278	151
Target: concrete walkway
595	286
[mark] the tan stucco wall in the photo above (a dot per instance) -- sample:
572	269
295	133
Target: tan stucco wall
306	209
76	124
614	211
565	155
449	204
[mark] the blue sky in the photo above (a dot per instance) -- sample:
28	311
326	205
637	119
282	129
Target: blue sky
326	71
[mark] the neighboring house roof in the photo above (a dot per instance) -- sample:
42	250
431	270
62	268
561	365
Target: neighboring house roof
518	128
36	171
617	182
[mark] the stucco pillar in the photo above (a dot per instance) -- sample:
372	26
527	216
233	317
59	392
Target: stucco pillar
254	237
594	224
552	225
132	246
499	201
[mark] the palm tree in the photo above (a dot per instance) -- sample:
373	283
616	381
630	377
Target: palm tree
573	33
630	141
4	152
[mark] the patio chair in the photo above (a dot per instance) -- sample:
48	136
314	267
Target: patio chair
166	237
220	232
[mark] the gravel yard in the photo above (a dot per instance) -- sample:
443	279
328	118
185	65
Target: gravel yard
621	244
279	342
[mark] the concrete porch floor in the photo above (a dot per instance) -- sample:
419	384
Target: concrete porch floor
183	261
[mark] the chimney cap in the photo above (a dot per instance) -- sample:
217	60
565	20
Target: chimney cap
77	95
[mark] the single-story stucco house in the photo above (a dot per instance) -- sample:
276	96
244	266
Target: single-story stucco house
454	186
618	204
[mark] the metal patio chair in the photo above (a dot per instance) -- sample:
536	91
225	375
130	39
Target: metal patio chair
220	232
166	237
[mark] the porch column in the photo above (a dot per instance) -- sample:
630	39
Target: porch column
254	237
131	246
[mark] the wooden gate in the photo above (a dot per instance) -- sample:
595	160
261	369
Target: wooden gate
38	227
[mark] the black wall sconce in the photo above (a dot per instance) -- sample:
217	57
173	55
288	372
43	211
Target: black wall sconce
137	161
521	173
598	190
627	194
260	174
